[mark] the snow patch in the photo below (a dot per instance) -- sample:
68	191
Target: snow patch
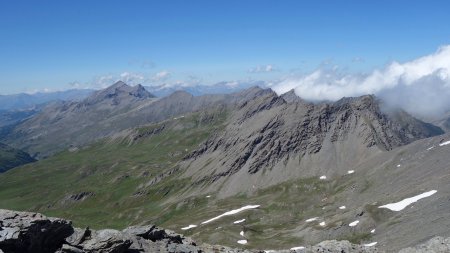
209	196
312	219
342	207
398	165
323	177
354	223
232	212
241	233
444	143
189	227
430	148
242	241
372	231
297	248
370	244
239	221
322	224
398	206
350	172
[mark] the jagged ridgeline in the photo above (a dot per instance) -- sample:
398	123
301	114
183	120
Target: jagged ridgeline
250	169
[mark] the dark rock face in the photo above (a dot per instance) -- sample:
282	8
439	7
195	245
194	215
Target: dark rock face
271	131
31	232
77	197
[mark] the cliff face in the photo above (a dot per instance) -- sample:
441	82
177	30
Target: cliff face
292	137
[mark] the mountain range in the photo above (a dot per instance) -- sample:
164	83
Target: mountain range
25	101
274	170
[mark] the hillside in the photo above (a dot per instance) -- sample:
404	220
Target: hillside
106	112
108	177
269	163
10	158
269	140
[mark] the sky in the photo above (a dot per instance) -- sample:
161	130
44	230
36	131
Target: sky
58	45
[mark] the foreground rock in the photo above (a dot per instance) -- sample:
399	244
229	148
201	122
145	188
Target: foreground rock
34	232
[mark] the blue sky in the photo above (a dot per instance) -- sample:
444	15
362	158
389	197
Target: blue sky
56	44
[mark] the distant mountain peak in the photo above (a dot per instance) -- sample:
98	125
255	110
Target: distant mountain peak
292	97
118	84
140	92
180	93
119	92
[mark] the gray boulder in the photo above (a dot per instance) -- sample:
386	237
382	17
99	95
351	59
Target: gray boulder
31	232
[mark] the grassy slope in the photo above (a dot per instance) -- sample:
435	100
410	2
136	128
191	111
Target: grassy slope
113	170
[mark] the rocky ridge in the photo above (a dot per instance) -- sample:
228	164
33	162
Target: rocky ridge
285	132
106	112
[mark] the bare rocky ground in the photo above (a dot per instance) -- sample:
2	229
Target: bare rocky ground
34	232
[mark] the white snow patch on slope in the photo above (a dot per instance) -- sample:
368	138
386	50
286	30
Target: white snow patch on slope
232	212
372	231
323	177
189	227
444	143
242	241
370	244
354	223
342	207
297	248
209	196
430	148
241	233
322	224
350	172
239	221
398	206
312	219
398	165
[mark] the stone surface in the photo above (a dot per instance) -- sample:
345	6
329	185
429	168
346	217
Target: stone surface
31	232
34	232
434	245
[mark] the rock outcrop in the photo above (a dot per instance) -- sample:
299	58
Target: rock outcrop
34	232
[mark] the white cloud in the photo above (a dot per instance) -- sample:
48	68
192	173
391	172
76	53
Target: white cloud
132	78
358	59
161	76
262	69
421	85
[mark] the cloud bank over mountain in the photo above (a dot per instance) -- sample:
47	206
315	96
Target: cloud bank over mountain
421	86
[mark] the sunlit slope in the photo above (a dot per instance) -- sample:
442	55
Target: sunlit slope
100	185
